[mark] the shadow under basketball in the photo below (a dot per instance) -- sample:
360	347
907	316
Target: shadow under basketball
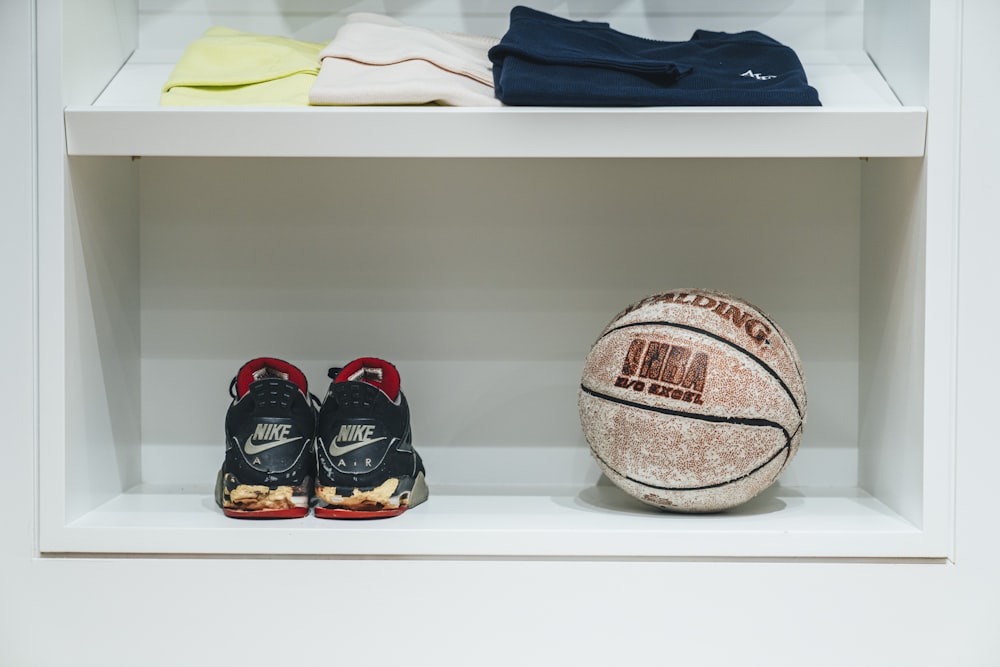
606	497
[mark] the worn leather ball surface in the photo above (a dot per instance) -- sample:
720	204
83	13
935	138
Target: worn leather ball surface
693	400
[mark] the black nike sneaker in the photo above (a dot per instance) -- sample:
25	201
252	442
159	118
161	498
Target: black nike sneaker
366	465
270	463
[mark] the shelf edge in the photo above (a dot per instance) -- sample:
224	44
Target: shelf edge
723	132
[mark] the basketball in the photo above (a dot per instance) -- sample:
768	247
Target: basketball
692	401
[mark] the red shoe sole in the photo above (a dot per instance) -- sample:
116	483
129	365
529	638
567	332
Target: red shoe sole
335	513
292	513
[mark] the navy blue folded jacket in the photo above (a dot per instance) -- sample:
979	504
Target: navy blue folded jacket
545	60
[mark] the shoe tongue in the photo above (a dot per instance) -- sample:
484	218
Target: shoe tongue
268	372
376	372
268	368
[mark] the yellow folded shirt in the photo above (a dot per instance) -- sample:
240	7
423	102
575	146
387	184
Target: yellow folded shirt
229	67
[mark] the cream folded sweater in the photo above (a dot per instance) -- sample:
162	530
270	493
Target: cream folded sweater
375	59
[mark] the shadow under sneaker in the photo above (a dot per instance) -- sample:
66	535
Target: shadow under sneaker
270	429
366	465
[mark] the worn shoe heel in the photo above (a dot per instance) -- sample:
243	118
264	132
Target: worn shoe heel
390	498
257	501
366	466
270	460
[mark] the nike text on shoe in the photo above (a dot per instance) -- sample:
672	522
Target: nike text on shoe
366	465
270	429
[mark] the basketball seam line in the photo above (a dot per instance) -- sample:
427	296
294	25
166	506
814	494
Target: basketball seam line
786	448
719	338
788	345
742	421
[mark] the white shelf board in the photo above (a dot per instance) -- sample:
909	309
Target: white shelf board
860	118
593	521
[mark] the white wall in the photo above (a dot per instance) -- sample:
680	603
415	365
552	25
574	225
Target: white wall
17	390
17	174
979	446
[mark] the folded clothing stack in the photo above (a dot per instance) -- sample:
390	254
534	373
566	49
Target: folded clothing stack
375	59
547	60
542	60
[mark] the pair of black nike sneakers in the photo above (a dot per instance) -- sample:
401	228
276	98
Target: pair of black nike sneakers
350	456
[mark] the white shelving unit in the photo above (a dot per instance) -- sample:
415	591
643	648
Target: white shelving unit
861	117
383	231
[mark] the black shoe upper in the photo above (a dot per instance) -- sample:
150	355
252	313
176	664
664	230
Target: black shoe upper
270	431
363	436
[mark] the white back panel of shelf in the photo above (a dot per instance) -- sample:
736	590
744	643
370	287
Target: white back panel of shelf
486	282
801	24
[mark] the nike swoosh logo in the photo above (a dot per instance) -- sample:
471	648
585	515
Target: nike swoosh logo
340	451
251	448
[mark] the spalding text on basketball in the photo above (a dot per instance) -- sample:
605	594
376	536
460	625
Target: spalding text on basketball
742	320
663	369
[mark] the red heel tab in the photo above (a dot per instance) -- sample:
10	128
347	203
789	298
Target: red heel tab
262	367
376	372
